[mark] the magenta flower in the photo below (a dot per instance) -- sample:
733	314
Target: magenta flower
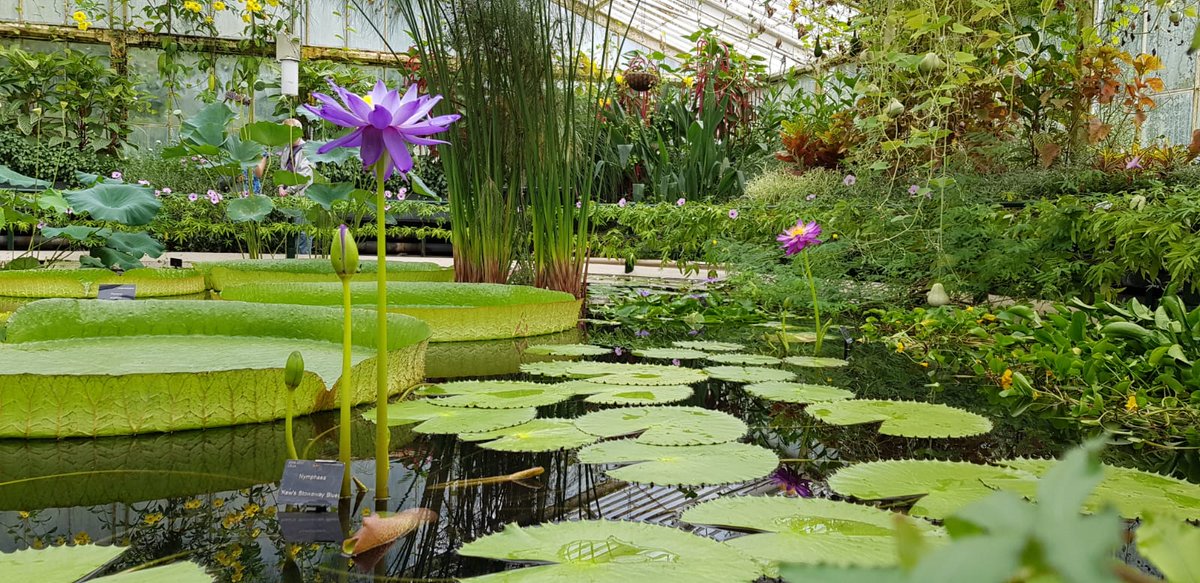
643	292
849	180
282	191
214	197
384	123
387	194
618	351
193	196
166	190
41	226
244	194
402	193
681	202
797	238
579	204
1134	162
914	189
621	203
733	214
675	362
158	193
116	175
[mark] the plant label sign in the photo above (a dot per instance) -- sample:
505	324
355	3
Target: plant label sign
310	483
311	527
116	291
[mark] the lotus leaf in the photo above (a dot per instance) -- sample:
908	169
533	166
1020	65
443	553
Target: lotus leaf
709	345
815	361
748	374
69	564
681	465
745	359
127	204
1133	492
789	392
432	418
903	418
568	350
943	487
85	282
536	435
670	353
251	209
808	530
222	274
615	373
601	551
664	425
454	311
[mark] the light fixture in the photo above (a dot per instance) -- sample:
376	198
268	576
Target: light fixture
287	52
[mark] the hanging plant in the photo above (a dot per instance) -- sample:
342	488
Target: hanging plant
640	75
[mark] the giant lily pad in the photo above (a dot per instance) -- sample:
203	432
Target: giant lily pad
536	435
748	374
514	398
808	530
670	353
815	361
943	487
475	387
744	359
626	394
903	418
601	551
68	564
1134	493
568	350
664	425
615	373
709	345
127	204
432	418
222	274
681	465
797	392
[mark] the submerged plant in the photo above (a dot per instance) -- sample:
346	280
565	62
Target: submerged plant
798	239
384	123
344	257
293	374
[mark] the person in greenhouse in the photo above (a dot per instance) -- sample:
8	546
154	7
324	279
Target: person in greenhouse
291	159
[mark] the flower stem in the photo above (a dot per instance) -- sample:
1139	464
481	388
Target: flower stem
346	388
287	426
812	287
382	434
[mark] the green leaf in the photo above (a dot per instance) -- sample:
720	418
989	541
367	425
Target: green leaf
74	232
136	244
253	208
334	156
1173	546
56	564
634	395
288	178
127	204
537	435
270	134
12	179
600	551
944	487
207	127
808	530
514	398
748	374
745	359
709	345
1133	492
832	574
420	188
815	361
903	418
664	425
247	155
434	419
789	392
181	572
568	350
477	387
681	465
616	373
327	194
669	353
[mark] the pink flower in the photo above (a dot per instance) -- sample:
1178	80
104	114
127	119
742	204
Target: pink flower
579	204
811	197
733	214
144	182
244	194
797	238
214	197
166	190
402	194
849	180
618	351
387	194
680	202
116	175
914	189
621	203
282	191
1134	162
158	193
193	196
41	226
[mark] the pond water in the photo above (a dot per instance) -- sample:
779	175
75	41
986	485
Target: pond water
211	495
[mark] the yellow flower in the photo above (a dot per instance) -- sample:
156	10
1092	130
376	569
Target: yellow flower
208	20
253	5
899	347
60	541
84	25
153	518
273	2
218	5
620	79
246	18
970	308
79	16
252	509
38	544
219	502
192	6
989	317
1006	379
1131	404
687	81
192	504
924	364
82	538
23	515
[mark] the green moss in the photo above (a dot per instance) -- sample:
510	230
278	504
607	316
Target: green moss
454	311
222	274
85	282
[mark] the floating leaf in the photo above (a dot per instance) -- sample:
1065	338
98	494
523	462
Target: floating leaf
944	487
434	419
748	374
808	530
537	435
480	386
651	395
602	551
67	564
615	373
745	359
904	418
1133	492
568	350
681	465
802	337
709	345
1172	545
506	398
797	392
815	361
670	353
664	425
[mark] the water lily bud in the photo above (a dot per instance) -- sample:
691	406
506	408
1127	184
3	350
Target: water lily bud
894	108
344	254
293	373
937	296
931	63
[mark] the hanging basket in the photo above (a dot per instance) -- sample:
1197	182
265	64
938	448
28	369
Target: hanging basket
641	81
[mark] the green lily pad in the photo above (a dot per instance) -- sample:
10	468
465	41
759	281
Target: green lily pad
815	361
808	530
1134	493
664	425
434	419
1171	545
745	359
475	387
797	392
616	373
602	551
536	435
568	350
681	465
670	353
709	345
651	395
515	398
903	418
943	487
748	374
68	564
801	337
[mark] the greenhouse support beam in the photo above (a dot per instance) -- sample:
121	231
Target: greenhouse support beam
194	43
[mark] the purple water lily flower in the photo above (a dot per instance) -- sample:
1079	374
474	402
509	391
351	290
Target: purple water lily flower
384	123
792	483
797	238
